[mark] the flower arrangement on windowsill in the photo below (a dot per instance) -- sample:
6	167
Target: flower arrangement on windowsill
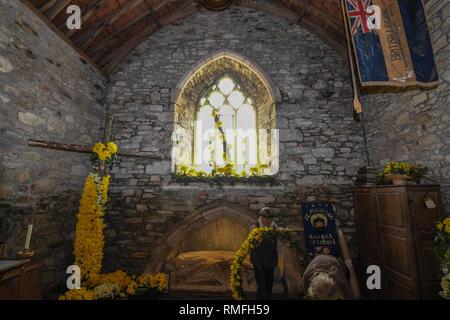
400	172
442	251
267	234
225	175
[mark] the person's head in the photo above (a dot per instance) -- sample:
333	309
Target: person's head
266	215
323	287
319	225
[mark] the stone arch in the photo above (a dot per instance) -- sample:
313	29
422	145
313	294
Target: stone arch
201	76
273	89
192	222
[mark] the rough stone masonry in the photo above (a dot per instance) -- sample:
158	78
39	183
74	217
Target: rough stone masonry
321	146
47	92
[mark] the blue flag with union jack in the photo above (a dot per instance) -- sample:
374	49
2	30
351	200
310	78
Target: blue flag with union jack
391	42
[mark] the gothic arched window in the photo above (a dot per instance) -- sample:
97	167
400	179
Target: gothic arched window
226	131
225	117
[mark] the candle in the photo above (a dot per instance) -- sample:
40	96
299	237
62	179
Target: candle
27	240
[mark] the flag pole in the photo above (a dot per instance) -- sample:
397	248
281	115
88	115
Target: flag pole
356	103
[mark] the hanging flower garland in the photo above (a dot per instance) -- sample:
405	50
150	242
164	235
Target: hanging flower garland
89	239
267	234
442	251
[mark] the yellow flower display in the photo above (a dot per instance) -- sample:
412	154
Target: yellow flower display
104	153
111	147
120	277
89	243
445	285
266	233
78	294
88	246
107	291
157	281
442	251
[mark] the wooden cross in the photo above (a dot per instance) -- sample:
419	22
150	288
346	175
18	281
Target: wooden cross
88	149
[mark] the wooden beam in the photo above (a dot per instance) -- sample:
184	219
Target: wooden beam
56	9
85	149
127	46
100	45
47	5
161	4
108	128
114	58
104	42
95	30
91	9
44	19
152	12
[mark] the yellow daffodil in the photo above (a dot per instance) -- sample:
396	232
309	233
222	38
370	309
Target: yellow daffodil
98	147
112	147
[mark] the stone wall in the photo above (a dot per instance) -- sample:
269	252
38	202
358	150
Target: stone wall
47	92
321	146
415	126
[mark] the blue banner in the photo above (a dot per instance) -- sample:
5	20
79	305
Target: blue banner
320	228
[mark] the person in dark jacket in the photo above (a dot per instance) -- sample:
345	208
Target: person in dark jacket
264	256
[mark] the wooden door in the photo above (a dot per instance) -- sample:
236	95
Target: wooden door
424	220
398	265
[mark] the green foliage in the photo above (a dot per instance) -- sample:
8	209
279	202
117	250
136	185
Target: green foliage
224	179
380	180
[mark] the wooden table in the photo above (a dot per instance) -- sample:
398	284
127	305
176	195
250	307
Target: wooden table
19	280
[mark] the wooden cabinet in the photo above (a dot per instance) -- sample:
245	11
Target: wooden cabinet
20	282
394	229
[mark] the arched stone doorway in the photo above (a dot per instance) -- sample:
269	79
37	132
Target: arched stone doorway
198	251
169	243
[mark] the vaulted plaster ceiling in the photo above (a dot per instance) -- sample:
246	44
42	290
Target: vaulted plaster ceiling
112	28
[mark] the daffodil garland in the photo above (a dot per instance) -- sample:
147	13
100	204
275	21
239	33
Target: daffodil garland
442	250
267	234
89	243
89	239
